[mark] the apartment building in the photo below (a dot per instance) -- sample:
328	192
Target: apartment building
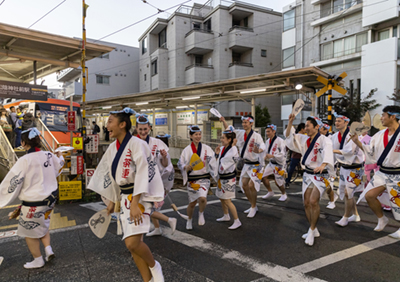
112	74
353	36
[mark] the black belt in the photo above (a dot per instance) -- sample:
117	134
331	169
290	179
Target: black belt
126	189
198	177
227	176
46	202
352	166
389	170
311	171
273	162
251	163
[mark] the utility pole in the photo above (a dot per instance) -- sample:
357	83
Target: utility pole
84	72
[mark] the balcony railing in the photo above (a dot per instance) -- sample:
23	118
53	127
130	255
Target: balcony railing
241	64
200	66
244	28
338	8
199	30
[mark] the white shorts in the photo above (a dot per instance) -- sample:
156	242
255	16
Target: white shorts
128	227
34	222
275	169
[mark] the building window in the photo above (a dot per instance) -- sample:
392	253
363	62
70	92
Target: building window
289	20
144	45
102	79
198	59
344	46
207	25
105	56
335	6
326	51
288	57
246	22
196	25
154	69
263	53
145	77
384	34
162	38
395	31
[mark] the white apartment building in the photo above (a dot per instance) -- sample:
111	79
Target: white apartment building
209	42
358	37
113	74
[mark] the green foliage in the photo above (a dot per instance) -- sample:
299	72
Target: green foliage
395	96
354	109
262	116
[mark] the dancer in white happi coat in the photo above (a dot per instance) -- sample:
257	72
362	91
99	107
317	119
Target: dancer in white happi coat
317	158
351	161
324	130
159	153
33	180
251	145
384	149
227	156
196	173
275	153
129	178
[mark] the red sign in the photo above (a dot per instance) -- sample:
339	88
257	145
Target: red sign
79	165
71	121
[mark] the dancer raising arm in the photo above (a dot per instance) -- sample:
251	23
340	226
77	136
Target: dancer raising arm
384	149
251	145
159	153
317	158
33	180
227	156
197	163
129	178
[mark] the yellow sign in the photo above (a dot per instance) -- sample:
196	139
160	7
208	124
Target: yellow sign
77	143
331	84
70	190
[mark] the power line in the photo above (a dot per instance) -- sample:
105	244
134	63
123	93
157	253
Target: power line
147	2
2	2
45	14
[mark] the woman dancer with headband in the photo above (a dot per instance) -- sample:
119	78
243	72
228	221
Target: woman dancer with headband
227	156
198	181
159	152
129	178
33	179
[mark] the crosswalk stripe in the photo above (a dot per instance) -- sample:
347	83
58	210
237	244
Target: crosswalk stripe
268	269
9	207
8	226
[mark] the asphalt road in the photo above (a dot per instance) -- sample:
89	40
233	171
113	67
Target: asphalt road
267	247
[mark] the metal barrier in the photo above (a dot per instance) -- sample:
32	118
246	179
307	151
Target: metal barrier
7	155
48	138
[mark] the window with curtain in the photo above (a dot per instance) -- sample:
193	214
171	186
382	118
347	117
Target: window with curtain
326	9
361	39
162	38
289	20
327	51
288	57
337	5
144	45
338	48
384	34
349	45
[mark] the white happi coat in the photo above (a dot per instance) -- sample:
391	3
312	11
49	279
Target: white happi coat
350	180
130	163
321	153
391	181
276	165
33	178
226	188
254	172
167	173
208	157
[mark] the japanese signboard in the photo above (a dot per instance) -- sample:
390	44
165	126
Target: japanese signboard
71	121
19	90
77	143
89	174
161	119
70	190
93	146
76	165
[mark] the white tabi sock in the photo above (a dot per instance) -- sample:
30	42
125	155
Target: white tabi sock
343	221
395	235
310	237
355	218
36	263
268	195
172	223
189	224
156	272
226	217
381	223
155	232
252	212
49	253
316	233
236	224
283	198
202	221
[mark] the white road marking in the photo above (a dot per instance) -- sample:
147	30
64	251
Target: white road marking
1	260
97	206
345	254
269	270
7	234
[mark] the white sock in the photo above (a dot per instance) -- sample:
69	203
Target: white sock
36	263
236	224
226	217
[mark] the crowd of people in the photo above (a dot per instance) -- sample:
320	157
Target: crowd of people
136	174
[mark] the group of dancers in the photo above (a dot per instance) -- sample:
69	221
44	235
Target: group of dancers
135	175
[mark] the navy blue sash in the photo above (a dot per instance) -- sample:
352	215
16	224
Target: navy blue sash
245	143
272	144
343	141
119	154
147	139
388	147
198	152
224	153
310	148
